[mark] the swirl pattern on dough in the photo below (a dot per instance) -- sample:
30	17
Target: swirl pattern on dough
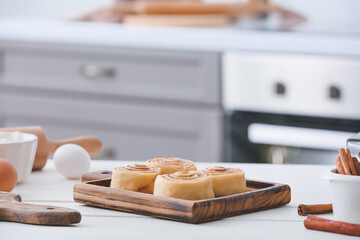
184	175
139	167
218	170
171	165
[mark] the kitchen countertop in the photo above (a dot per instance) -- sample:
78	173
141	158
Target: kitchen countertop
182	39
49	187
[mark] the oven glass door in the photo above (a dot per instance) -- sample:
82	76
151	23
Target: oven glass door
278	138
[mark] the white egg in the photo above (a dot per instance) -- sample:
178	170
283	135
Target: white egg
71	160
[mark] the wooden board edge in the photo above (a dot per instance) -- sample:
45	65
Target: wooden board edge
129	201
281	193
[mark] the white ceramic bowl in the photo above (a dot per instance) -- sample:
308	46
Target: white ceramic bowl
345	195
20	149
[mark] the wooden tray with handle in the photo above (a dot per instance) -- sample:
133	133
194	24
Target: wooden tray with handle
259	196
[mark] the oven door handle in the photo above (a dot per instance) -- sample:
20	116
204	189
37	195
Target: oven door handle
297	136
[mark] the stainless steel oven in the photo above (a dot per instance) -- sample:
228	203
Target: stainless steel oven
287	108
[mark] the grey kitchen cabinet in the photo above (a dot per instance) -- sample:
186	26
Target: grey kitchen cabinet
164	75
140	103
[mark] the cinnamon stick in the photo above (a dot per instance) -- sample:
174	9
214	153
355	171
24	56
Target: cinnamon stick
339	166
304	210
357	165
344	161
351	162
322	224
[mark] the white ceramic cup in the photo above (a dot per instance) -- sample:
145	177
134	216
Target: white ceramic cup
20	149
345	195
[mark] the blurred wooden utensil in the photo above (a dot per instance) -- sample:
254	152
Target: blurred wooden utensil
46	148
200	20
91	176
189	13
250	8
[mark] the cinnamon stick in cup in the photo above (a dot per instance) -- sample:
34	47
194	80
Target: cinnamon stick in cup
351	162
344	161
357	165
346	164
339	166
322	224
304	210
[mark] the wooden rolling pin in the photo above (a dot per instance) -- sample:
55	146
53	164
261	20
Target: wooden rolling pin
46	148
193	8
200	20
13	210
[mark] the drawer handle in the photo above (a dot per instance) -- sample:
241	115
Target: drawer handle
280	89
92	71
334	92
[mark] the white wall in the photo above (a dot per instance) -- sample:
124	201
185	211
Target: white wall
45	9
327	15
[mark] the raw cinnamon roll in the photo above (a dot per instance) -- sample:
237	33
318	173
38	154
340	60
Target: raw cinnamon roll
135	177
171	165
190	185
226	181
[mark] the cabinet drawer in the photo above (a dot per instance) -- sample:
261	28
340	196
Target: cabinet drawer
179	76
129	132
292	84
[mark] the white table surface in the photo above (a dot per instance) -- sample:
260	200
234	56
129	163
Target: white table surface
51	188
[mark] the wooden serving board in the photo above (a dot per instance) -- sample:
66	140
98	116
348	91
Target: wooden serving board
260	196
13	210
